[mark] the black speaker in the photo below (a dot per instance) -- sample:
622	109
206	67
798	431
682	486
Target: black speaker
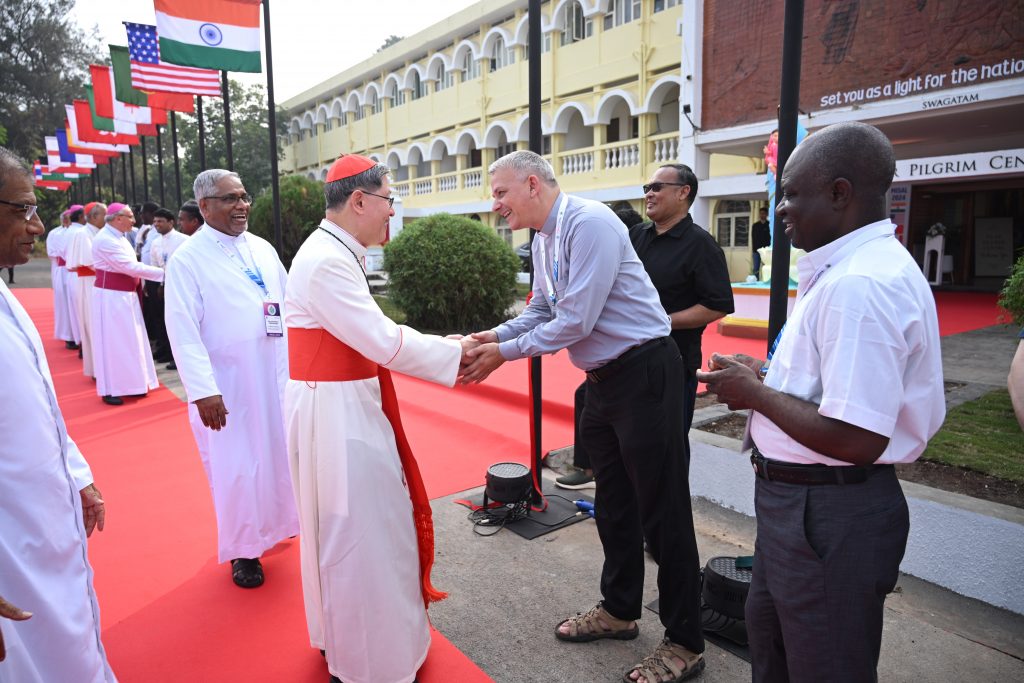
507	482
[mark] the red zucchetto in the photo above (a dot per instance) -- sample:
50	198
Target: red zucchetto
349	165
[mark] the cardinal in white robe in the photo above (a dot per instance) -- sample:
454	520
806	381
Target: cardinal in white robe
58	277
77	217
122	358
49	617
367	536
222	298
78	255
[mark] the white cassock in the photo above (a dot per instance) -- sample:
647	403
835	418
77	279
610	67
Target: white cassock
58	277
122	358
78	255
215	322
164	246
71	283
360	564
43	563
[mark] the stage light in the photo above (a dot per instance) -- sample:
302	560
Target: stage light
507	482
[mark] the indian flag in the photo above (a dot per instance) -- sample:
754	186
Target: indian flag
210	34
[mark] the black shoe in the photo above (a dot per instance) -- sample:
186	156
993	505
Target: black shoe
113	400
171	366
70	346
79	352
247	572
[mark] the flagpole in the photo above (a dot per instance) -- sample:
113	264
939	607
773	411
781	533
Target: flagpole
113	197
145	173
177	161
160	165
124	175
536	145
131	158
227	119
202	134
92	178
272	111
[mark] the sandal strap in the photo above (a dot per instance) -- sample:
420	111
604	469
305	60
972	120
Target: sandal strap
659	665
592	621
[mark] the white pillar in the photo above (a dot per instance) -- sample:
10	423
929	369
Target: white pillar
690	93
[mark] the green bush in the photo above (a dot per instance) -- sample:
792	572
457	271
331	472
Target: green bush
1012	296
302	209
451	273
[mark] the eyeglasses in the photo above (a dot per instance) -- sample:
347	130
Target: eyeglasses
234	198
30	209
656	187
389	200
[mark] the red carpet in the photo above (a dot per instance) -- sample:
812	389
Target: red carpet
171	613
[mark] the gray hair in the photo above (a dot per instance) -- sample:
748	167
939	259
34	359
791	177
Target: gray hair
97	209
337	192
208	179
10	165
525	163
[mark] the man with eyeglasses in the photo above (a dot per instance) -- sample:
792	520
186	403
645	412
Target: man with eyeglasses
593	297
222	307
122	357
78	255
64	326
686	265
49	617
367	537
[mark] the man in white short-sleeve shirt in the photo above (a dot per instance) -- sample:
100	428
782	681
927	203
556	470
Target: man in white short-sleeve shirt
854	385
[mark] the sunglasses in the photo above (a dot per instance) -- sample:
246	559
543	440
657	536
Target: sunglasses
656	187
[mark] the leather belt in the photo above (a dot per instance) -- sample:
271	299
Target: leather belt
611	367
811	475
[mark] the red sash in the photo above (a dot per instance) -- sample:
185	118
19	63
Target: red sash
315	355
119	282
84	271
61	262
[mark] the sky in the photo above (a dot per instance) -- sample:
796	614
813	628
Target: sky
312	39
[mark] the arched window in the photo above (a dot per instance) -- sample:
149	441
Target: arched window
577	26
501	56
470	67
621	12
376	102
417	85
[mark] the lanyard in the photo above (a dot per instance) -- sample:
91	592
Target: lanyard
549	283
358	262
256	277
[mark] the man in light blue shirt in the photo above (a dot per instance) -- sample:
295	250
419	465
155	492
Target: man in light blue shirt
593	297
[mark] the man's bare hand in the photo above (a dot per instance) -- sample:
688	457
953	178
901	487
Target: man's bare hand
212	412
483	360
751	362
486	337
468	344
94	513
735	382
9	611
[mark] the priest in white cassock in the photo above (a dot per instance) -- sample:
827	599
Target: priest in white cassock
78	255
77	217
55	240
367	535
222	298
49	619
122	357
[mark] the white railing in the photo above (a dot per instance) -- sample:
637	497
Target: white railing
401	189
423	186
473	179
580	162
447	183
665	150
622	156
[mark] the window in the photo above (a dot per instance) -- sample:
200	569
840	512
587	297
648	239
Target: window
577	27
660	5
399	97
732	223
504	232
501	56
377	103
621	12
470	67
545	46
446	79
419	87
503	149
475	158
357	115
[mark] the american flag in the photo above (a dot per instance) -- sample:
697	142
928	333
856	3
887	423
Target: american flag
149	73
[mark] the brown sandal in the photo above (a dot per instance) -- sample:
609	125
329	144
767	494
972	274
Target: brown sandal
595	625
660	666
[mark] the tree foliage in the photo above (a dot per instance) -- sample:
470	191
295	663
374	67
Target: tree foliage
44	64
1012	296
389	41
451	273
302	207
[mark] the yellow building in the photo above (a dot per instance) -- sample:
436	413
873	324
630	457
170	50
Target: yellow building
439	106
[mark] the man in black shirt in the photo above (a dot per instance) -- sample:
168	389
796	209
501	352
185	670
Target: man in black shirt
686	266
762	237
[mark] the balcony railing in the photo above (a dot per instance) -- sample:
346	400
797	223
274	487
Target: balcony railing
664	148
423	186
473	178
577	162
621	155
401	189
448	182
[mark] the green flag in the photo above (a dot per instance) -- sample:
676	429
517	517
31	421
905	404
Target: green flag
124	91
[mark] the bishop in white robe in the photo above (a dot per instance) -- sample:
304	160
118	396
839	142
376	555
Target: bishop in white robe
58	278
48	503
367	540
122	357
78	255
221	284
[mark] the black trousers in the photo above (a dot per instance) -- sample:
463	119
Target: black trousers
825	558
153	315
632	429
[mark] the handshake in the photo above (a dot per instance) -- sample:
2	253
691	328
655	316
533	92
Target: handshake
480	356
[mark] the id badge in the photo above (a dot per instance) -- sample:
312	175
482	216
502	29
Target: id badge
272	319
